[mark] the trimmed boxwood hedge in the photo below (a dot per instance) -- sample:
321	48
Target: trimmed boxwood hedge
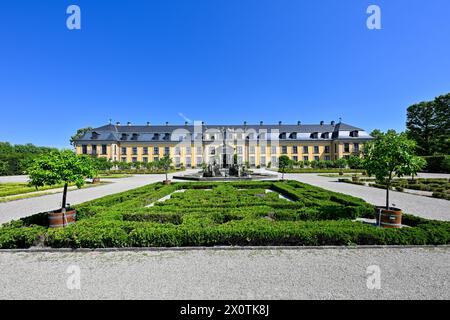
240	213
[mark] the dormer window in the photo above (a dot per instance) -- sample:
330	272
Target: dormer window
94	135
155	136
326	135
166	136
354	134
134	136
124	136
293	135
282	135
314	135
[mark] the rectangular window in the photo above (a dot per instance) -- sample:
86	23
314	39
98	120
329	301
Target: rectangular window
316	149
346	147
145	150
327	158
263	161
104	149
273	150
199	151
263	150
166	151
239	160
305	149
239	150
124	159
305	158
145	159
356	147
177	161
124	150
252	150
156	158
316	158
294	149
84	149
94	149
295	158
274	161
212	150
134	159
134	150
188	150
327	149
199	161
284	150
177	151
188	162
252	161
156	151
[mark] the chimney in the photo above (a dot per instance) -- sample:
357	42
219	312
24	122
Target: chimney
299	123
167	123
118	123
148	123
279	123
333	123
321	123
245	123
261	123
203	123
185	123
128	123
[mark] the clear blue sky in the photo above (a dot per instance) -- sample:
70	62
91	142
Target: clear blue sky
221	61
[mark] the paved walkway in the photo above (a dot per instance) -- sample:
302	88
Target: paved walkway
414	273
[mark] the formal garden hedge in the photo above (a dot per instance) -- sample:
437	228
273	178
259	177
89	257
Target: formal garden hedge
211	214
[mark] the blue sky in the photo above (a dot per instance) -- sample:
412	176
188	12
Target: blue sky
221	61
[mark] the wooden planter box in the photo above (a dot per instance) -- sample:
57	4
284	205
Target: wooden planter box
56	218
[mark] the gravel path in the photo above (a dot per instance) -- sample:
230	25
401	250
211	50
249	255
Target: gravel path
408	273
22	208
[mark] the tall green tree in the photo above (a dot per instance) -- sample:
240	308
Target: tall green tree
428	123
79	134
61	167
391	155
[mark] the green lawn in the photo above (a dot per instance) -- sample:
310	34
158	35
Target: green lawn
10	189
319	170
209	214
17	191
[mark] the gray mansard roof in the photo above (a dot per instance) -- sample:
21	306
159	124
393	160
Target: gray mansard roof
162	133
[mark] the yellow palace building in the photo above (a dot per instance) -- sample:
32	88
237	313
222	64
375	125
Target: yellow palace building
194	144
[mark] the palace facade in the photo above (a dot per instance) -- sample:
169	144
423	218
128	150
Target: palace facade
193	145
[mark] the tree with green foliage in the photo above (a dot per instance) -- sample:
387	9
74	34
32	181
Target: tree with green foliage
19	157
61	167
102	164
79	134
283	164
391	155
164	164
428	123
355	162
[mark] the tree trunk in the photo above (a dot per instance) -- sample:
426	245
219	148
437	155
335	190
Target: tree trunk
64	201
166	177
387	196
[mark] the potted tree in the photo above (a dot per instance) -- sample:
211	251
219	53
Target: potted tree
164	164
61	167
283	164
391	155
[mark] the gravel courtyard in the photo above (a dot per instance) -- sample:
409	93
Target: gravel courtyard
418	273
